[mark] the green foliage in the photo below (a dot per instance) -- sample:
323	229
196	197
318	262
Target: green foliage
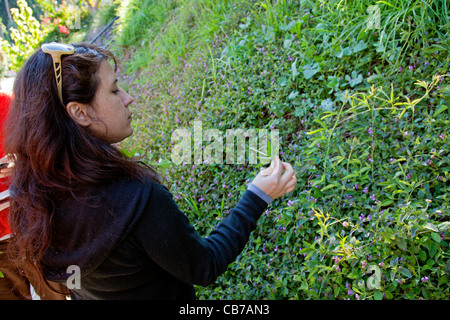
57	23
168	30
66	21
106	13
26	37
360	97
3	62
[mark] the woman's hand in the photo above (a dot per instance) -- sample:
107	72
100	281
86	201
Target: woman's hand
274	182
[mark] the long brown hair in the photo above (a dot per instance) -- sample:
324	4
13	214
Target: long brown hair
54	156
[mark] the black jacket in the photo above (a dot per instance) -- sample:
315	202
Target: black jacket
133	242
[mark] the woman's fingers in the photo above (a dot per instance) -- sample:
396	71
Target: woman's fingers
289	177
277	167
266	171
288	173
274	168
276	180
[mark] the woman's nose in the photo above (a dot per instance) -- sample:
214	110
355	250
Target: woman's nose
127	99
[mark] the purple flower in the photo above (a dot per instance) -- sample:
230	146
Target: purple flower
290	203
424	279
336	259
373	197
365	190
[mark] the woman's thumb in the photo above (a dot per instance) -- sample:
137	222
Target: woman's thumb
277	166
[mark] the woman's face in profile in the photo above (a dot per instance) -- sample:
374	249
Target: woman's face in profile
110	108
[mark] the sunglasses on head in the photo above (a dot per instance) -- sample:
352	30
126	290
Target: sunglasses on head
56	50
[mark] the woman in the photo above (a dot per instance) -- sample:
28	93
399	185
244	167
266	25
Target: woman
77	203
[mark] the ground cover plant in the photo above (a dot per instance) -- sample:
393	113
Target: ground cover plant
359	92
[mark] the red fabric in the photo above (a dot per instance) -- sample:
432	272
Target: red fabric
5	100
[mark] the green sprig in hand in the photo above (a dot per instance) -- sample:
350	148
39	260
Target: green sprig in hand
273	181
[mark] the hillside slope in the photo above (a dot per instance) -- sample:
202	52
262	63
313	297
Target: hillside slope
360	97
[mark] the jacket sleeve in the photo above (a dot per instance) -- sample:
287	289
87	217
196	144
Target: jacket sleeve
171	241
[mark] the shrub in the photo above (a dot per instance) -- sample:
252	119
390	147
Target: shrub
363	118
26	37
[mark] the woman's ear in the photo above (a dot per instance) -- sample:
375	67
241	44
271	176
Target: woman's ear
78	112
